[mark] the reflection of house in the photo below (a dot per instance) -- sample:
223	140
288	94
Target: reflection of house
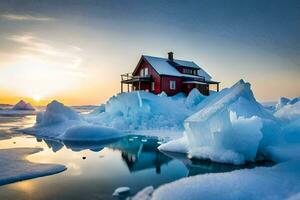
168	75
140	155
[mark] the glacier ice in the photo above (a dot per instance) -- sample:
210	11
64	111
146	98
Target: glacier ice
289	112
194	98
142	111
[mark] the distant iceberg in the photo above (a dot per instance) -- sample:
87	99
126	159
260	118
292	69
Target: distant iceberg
22	105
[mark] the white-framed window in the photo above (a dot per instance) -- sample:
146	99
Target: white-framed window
146	73
153	86
173	85
142	72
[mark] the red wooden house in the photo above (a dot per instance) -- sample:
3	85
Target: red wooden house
167	75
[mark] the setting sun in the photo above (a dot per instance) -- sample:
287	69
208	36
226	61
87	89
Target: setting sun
36	98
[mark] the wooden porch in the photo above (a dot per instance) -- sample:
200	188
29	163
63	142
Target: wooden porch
129	80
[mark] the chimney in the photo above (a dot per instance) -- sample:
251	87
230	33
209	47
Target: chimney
170	56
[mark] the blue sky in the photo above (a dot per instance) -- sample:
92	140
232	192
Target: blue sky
87	44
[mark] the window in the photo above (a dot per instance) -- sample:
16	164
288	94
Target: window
153	86
173	85
146	72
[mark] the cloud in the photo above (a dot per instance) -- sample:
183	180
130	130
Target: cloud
31	43
68	56
15	17
42	67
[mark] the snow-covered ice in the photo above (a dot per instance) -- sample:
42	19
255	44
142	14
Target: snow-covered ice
282	102
289	112
121	191
179	145
56	113
54	121
254	132
141	110
144	194
90	133
194	98
14	166
279	182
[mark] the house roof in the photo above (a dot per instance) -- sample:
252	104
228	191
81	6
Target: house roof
163	66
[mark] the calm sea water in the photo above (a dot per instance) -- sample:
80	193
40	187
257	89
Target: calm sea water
132	161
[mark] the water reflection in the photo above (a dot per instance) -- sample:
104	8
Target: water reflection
196	166
138	152
54	145
11	124
141	153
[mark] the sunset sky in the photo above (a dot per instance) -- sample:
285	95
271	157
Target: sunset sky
74	51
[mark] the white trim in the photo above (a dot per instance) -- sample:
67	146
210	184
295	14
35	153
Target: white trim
172	85
152	86
146	72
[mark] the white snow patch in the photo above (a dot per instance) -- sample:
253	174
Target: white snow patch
289	112
90	133
14	167
179	146
279	182
144	194
121	191
162	94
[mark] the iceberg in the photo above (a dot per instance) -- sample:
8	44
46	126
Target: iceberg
230	127
56	113
22	105
54	121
